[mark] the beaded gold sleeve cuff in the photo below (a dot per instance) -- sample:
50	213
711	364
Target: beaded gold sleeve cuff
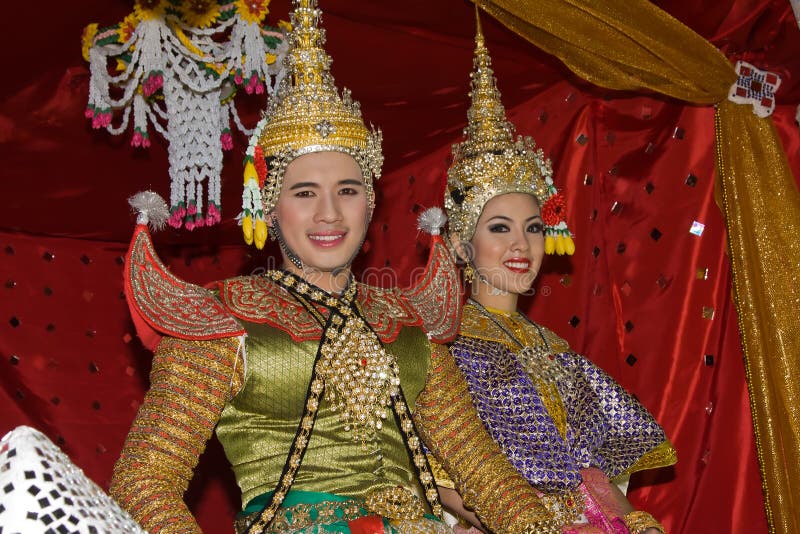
639	521
489	485
661	456
190	382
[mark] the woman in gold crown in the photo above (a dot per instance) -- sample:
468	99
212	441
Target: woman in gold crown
563	423
319	388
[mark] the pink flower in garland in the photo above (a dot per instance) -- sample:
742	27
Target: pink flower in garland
252	84
101	118
213	215
153	82
226	139
175	220
176	215
140	139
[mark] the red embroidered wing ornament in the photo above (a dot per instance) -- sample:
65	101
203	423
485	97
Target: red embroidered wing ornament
436	297
163	304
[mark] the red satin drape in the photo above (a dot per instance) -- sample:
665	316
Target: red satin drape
630	298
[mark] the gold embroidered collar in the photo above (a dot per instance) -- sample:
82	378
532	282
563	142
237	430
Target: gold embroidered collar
476	325
259	299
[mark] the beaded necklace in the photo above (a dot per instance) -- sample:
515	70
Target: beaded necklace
537	359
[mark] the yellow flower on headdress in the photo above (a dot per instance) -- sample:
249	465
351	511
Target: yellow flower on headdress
199	13
149	9
252	11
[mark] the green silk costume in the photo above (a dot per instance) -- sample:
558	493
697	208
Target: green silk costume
257	427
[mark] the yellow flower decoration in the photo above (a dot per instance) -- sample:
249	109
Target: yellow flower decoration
199	13
252	11
87	39
127	27
149	9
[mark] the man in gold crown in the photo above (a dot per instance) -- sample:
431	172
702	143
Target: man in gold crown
564	424
320	389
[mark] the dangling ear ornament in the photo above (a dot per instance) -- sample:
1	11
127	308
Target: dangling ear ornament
469	272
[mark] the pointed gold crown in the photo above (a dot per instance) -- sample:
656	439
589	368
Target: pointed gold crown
306	115
490	161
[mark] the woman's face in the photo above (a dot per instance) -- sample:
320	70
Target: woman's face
508	244
322	210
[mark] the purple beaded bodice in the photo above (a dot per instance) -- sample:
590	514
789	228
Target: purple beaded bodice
606	427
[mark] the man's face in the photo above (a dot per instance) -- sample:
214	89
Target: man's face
322	210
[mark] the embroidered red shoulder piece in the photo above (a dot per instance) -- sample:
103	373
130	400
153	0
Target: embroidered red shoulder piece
258	299
436	297
163	304
386	310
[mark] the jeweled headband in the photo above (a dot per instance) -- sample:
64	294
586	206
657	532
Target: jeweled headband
306	115
491	162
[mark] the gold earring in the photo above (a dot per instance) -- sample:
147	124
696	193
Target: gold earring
469	273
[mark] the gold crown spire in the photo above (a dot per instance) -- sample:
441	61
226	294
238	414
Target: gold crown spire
487	128
491	162
307	114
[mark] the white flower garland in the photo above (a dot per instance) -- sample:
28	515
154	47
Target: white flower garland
181	80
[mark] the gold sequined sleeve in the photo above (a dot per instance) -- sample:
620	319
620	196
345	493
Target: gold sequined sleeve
488	483
190	382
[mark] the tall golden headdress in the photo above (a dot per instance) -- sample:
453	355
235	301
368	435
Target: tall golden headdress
306	115
490	161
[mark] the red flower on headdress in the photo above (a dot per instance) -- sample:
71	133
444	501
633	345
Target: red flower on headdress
554	210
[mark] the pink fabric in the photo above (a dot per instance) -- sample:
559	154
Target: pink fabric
603	510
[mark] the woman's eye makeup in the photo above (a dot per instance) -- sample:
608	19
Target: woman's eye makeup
536	228
498	228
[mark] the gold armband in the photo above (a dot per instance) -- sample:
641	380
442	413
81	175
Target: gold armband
639	521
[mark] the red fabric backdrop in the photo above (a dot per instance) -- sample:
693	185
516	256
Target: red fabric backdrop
638	171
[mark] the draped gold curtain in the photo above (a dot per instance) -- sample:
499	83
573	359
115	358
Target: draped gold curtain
632	44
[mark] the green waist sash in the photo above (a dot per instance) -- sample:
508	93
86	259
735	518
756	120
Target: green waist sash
328	512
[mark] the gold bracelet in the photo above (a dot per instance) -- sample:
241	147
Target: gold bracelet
638	521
